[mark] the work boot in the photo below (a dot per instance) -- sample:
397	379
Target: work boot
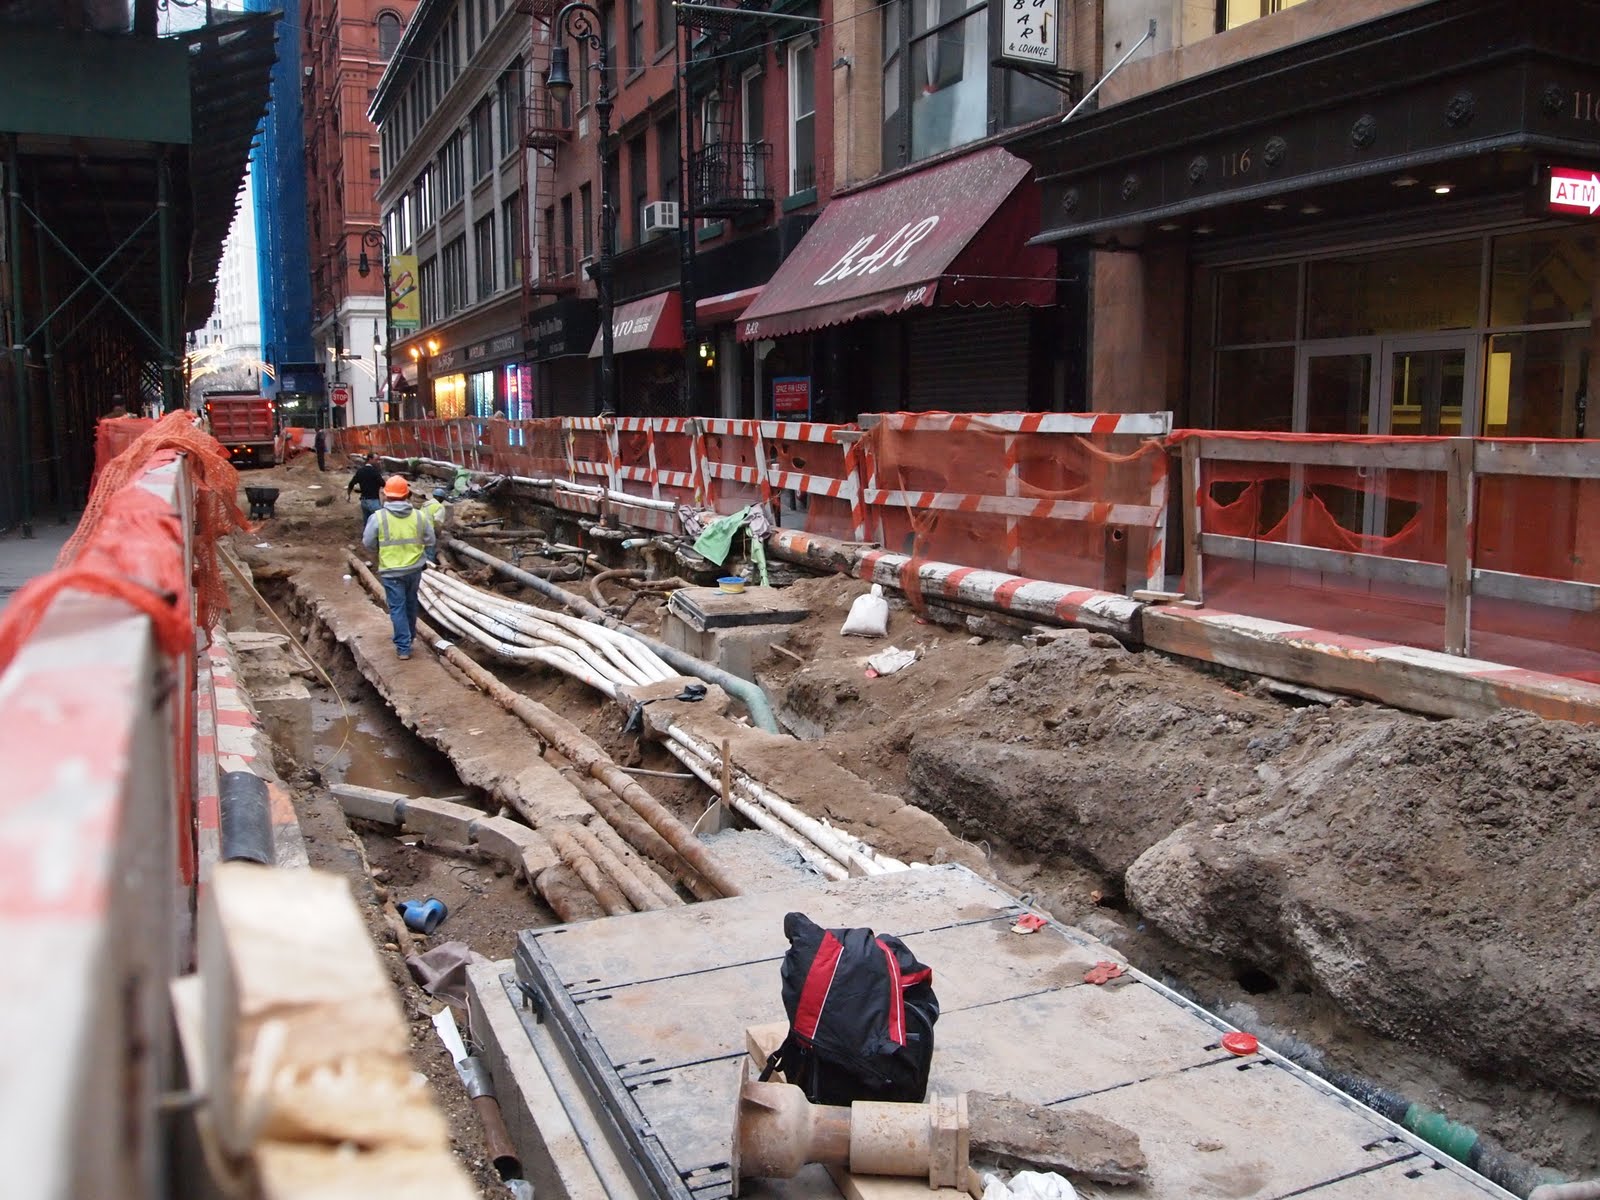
403	654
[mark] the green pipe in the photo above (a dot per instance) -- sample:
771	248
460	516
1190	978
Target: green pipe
19	348
1440	1131
52	365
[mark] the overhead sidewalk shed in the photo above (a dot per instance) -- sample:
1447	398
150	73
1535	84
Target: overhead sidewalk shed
954	234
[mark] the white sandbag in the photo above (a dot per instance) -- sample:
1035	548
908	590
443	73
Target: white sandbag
1028	1185
869	615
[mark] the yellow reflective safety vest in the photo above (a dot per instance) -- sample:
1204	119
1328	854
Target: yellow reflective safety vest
400	542
433	510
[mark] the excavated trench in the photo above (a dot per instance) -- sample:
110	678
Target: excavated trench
1405	897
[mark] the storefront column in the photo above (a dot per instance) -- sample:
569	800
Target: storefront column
1140	305
729	362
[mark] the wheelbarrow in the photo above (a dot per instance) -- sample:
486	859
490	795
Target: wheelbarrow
263	500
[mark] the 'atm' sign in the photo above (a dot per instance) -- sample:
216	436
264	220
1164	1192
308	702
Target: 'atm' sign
1574	191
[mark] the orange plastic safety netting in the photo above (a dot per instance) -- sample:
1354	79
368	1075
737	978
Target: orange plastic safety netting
215	487
113	435
1027	495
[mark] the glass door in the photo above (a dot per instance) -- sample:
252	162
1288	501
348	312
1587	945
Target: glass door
1336	392
1428	388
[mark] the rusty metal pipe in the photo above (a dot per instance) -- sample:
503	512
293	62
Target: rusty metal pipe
641	837
635	889
582	751
640	869
610	896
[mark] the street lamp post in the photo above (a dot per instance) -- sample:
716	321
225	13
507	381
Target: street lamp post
375	238
583	23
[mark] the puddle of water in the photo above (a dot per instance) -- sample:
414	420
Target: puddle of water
378	751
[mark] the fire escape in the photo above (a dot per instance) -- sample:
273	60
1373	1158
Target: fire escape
548	266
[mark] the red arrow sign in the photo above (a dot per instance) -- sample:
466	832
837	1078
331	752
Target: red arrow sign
1573	191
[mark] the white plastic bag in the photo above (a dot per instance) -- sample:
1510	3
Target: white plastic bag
869	615
1028	1185
887	662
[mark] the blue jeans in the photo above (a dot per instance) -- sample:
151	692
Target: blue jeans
401	593
368	507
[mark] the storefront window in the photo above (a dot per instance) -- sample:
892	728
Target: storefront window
1255	389
1257	305
1395	291
450	396
480	393
516	386
1535	385
1545	277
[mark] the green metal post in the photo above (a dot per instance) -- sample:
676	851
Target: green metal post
19	349
171	400
52	390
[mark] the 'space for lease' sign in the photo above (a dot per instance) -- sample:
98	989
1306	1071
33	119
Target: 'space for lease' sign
1574	191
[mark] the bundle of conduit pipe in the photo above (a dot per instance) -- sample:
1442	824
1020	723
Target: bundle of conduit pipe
609	661
1461	1142
600	657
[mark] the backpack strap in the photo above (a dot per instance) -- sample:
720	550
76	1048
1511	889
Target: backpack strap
814	992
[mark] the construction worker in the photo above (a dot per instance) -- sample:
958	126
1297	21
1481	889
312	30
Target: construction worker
433	509
401	536
369	479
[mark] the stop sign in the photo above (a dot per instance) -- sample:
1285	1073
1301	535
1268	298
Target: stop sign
339	393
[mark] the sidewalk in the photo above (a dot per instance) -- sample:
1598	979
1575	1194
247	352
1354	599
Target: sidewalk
22	558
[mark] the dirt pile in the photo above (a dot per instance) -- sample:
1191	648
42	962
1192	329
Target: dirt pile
1438	881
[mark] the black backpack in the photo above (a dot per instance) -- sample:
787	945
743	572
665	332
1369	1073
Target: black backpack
861	1013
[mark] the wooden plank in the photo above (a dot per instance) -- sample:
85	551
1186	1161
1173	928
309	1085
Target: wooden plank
1458	547
1333	452
303	1037
1559	460
1193	522
1410	571
885	1187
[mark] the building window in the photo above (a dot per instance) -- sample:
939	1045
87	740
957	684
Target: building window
482	128
483	247
453	268
472	27
509	92
452	171
802	116
1233	13
667	151
639	180
388	34
422	193
666	23
635	15
511	239
428	285
586	204
565	266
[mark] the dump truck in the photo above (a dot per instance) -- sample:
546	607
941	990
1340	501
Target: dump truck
246	424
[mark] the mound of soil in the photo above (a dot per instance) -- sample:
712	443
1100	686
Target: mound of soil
1436	880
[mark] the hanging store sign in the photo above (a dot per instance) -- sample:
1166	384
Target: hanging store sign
1028	32
1573	191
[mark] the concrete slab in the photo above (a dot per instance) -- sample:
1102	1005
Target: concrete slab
711	608
736	650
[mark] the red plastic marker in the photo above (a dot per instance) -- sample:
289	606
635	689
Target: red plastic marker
1240	1043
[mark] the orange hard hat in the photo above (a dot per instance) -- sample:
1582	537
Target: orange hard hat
397	488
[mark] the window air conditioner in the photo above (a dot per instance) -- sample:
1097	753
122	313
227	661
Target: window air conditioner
658	217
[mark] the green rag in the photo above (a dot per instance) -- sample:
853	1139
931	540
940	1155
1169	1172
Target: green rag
716	541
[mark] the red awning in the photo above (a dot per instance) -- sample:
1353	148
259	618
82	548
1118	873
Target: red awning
718	310
654	323
956	233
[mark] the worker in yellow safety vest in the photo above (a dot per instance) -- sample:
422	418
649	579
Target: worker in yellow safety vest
433	509
402	537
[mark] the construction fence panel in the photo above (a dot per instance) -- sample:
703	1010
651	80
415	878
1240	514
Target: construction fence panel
1078	498
1470	545
734	464
813	478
